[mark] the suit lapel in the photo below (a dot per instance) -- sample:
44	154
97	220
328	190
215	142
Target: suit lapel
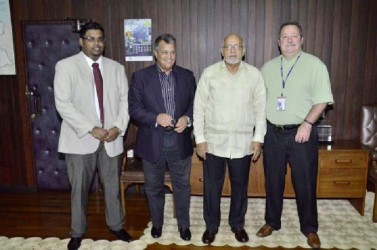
85	69
178	91
155	86
86	75
106	76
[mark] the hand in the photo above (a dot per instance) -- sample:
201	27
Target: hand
202	149
181	124
112	134
99	133
303	133
256	148
165	120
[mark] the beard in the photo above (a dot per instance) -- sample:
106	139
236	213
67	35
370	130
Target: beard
232	60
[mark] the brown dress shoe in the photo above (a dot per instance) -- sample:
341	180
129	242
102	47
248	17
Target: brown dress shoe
265	231
313	240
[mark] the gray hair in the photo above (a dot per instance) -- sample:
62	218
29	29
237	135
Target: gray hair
167	38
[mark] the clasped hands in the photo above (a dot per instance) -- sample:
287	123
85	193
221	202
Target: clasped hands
105	135
166	121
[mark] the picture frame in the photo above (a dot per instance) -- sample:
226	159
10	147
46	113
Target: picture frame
7	55
138	39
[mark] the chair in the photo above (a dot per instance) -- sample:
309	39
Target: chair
368	137
132	173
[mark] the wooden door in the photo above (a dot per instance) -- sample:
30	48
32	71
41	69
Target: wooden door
45	43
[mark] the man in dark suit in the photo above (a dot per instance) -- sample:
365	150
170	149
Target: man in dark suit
161	104
91	97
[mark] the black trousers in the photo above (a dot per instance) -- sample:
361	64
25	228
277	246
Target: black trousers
214	174
280	148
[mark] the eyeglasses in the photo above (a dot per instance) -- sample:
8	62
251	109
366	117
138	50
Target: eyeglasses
293	36
235	47
91	39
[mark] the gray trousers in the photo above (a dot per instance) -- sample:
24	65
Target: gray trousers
81	169
180	176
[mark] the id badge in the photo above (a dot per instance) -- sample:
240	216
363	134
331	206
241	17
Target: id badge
280	104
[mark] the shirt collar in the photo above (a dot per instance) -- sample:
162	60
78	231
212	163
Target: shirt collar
90	61
223	65
161	72
293	59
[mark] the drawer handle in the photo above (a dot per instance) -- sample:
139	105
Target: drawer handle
201	179
343	161
342	183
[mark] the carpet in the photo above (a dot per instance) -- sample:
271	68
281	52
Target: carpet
340	225
52	243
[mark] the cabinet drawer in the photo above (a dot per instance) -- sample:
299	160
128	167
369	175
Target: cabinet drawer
343	160
197	179
341	183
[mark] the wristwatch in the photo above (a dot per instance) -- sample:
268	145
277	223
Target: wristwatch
189	123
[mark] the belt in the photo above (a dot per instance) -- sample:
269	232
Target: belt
284	127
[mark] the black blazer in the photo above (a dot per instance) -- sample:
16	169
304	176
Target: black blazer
146	102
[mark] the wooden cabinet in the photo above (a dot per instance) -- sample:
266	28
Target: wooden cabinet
256	180
196	179
342	172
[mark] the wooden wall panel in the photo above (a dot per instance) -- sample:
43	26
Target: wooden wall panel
340	32
8	151
370	57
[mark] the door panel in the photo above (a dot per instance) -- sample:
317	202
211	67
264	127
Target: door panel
46	43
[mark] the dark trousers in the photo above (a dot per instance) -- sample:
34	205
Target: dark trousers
180	176
214	174
280	148
80	169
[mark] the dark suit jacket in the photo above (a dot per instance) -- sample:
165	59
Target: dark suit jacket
146	102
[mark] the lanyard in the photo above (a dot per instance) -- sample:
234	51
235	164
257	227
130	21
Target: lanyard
289	72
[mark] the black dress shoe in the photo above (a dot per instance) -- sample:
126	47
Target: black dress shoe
74	243
185	234
122	235
240	235
156	232
208	236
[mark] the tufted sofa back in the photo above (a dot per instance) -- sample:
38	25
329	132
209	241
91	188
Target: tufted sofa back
369	125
